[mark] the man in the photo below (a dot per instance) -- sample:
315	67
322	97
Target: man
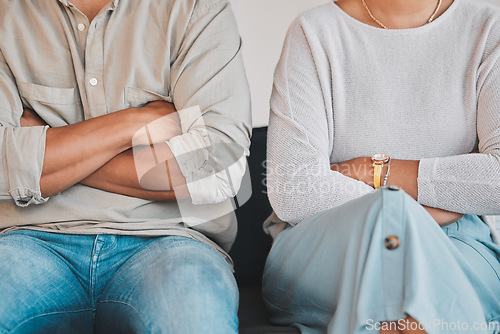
95	237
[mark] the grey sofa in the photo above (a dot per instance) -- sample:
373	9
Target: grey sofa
252	246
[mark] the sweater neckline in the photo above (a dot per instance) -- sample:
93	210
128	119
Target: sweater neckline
425	27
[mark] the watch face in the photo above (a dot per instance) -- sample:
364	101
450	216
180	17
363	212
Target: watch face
380	158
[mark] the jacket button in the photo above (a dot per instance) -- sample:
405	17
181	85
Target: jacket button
391	242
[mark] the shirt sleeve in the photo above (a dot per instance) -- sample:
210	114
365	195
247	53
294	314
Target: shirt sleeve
208	72
299	180
21	149
470	183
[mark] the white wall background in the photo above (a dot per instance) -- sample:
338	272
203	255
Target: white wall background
263	25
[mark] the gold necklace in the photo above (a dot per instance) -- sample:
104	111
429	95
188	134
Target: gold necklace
383	26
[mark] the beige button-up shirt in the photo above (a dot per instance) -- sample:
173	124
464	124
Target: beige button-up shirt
67	69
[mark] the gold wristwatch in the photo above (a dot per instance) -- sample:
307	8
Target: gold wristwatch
378	162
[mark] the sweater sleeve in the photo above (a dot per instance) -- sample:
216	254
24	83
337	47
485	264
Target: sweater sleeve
470	183
21	149
299	180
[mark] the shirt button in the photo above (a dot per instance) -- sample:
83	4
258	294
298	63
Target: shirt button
391	242
81	27
93	81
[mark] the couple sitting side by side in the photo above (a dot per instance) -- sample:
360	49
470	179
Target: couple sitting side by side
125	131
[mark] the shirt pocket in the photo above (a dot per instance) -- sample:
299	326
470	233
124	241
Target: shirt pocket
137	97
56	106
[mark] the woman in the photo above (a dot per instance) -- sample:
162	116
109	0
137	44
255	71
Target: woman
386	92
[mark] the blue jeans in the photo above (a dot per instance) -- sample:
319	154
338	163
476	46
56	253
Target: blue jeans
59	283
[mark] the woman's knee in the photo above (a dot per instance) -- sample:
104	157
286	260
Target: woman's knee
359	219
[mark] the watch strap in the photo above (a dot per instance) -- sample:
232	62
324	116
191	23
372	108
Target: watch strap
377	169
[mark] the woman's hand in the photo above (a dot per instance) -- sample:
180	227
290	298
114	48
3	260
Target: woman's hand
403	173
358	168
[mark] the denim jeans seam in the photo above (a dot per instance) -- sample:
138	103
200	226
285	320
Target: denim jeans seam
94	263
197	244
111	247
183	240
123	303
43	244
45	314
118	271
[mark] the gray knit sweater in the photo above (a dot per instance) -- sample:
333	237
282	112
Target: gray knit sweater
344	89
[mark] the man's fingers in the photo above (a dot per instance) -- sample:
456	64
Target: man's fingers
30	118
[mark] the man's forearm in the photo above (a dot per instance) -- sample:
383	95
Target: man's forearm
119	175
75	151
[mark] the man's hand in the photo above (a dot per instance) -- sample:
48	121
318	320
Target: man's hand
161	123
120	175
31	118
165	182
